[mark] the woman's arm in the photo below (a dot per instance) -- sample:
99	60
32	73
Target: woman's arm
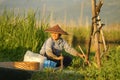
71	50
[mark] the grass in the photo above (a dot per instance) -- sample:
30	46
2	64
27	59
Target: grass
21	33
59	75
112	32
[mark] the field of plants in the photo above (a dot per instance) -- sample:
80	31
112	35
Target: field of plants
21	33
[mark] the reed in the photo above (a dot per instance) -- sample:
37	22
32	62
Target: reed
19	34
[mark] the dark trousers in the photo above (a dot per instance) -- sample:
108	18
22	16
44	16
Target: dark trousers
66	61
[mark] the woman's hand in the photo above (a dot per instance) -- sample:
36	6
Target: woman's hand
85	58
60	58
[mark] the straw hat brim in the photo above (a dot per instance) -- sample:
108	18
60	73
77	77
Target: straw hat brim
56	29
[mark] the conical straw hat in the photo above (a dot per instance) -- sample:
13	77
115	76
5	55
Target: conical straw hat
56	29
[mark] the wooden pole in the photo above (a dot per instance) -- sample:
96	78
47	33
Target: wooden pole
61	62
96	37
89	42
101	33
86	59
101	25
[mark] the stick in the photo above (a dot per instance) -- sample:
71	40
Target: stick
84	55
61	62
99	5
103	39
90	42
81	50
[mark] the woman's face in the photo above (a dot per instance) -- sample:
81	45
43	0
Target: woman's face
55	36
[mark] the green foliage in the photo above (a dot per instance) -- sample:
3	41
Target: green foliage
18	34
57	75
109	69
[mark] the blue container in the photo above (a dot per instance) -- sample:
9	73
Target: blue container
48	63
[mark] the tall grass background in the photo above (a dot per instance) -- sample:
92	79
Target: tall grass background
19	33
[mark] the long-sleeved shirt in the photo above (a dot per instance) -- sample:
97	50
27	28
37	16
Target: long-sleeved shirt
54	48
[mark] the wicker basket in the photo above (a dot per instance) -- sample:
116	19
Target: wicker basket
21	65
27	65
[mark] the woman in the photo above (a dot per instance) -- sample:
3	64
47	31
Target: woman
53	47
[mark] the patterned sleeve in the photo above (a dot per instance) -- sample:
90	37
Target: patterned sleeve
69	49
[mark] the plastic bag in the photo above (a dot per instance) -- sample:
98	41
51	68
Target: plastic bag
34	57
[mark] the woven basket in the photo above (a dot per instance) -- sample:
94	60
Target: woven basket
27	65
21	65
